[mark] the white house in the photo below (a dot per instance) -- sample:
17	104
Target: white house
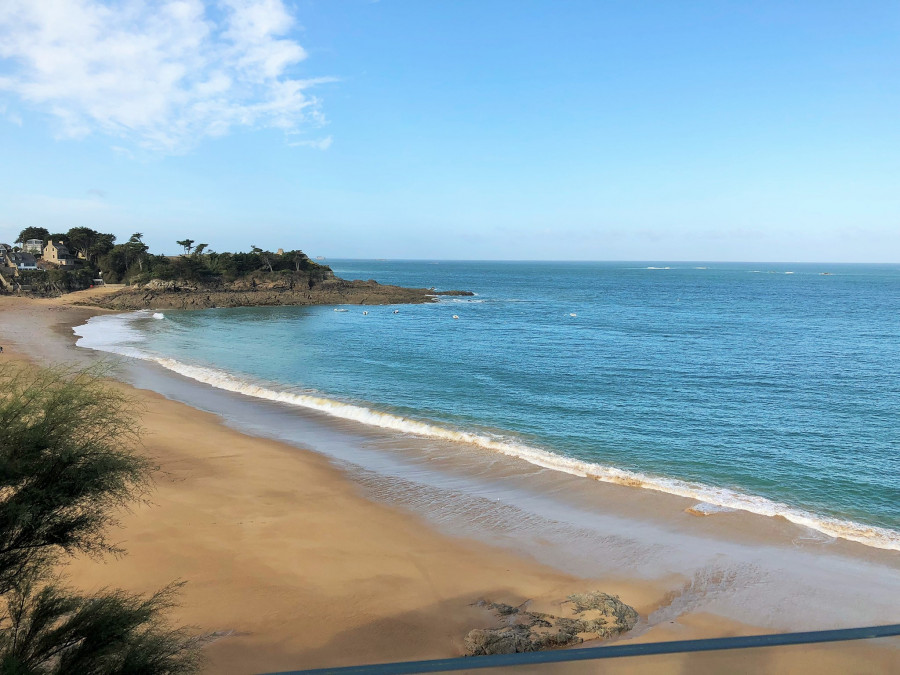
35	246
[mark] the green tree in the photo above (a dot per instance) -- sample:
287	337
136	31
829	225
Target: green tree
264	256
67	462
199	248
89	243
189	268
136	250
114	265
118	264
299	258
33	233
52	630
188	244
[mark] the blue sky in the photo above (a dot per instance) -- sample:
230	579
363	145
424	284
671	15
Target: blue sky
761	131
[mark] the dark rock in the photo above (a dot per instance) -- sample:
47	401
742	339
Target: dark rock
597	615
503	610
482	642
323	290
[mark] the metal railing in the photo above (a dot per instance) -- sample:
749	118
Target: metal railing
612	651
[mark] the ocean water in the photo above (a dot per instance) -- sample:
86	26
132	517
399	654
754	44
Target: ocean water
771	388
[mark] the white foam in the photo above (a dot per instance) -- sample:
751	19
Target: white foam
115	333
704	509
159	315
119	340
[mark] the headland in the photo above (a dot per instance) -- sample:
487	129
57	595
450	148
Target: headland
198	279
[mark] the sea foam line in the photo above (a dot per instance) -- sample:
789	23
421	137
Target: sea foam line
870	535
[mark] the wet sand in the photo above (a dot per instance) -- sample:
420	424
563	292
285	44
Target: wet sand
291	561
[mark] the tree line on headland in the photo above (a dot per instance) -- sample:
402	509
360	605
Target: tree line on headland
97	255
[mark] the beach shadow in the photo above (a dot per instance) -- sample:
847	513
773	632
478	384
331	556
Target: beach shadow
438	630
431	632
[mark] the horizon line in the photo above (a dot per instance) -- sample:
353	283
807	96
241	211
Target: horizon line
617	260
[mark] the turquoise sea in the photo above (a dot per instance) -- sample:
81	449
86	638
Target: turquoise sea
773	388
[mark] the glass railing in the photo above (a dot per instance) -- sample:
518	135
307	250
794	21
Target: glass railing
873	649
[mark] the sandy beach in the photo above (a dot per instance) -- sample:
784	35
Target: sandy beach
291	564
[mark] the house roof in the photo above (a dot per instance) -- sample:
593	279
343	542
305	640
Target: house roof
21	258
61	249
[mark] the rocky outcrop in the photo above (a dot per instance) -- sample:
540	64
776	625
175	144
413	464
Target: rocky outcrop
595	615
283	289
453	293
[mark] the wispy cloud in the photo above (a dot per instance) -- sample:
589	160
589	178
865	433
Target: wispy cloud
320	144
122	152
161	74
10	116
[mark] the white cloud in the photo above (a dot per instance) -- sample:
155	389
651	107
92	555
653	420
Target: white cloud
163	74
321	144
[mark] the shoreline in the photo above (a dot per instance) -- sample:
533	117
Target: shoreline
429	559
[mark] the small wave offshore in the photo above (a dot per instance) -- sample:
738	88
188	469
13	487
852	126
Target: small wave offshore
117	334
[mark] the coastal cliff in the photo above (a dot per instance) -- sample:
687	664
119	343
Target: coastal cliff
294	288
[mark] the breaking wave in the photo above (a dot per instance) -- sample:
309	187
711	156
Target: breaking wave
121	337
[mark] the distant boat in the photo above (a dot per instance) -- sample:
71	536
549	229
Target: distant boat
825	274
396	311
573	314
788	272
455	316
341	310
364	313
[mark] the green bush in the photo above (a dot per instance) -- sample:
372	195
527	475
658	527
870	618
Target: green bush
68	462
